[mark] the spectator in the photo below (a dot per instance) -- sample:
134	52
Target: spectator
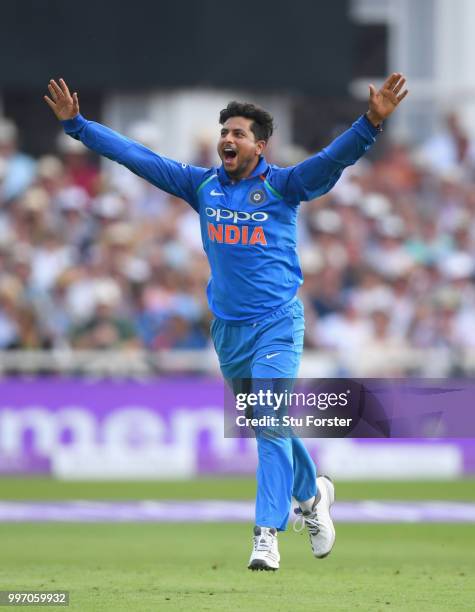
17	170
88	260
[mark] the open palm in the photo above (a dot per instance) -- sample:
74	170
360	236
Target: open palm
383	102
62	103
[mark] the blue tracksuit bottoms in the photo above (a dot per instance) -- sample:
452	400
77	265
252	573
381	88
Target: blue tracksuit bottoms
266	355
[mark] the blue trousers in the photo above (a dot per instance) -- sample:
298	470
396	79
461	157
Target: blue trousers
266	354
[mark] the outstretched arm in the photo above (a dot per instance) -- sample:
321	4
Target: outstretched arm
173	177
317	175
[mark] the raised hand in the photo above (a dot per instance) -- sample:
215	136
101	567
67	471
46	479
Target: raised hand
383	102
62	103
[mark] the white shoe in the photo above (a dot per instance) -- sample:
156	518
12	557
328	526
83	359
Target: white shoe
265	551
318	520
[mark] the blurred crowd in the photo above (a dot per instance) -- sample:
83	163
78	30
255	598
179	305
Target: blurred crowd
92	257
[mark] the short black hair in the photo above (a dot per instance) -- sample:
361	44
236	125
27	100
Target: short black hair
262	124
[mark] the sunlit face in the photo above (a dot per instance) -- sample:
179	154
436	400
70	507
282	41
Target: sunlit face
238	148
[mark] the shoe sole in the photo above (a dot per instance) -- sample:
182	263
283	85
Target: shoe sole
331	504
259	566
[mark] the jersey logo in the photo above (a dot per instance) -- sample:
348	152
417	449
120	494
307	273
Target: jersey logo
236	234
234	230
272	355
216	193
236	216
258	196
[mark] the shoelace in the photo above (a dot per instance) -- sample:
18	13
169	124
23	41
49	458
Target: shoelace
263	543
311	521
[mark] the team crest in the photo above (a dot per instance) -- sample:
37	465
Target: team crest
258	196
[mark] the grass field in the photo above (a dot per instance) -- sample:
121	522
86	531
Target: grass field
154	567
202	567
224	488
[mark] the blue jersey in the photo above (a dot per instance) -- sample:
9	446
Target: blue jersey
248	227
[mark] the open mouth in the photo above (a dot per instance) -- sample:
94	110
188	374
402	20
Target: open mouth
229	154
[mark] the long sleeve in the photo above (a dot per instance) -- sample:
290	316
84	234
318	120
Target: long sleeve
178	179
317	175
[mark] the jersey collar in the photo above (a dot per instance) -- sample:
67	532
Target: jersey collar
261	168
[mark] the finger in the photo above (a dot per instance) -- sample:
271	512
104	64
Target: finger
402	96
49	102
391	80
52	92
64	87
75	102
372	91
388	81
399	86
57	88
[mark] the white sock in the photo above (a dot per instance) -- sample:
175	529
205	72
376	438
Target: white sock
307	506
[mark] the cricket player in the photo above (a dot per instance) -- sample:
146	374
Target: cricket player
248	213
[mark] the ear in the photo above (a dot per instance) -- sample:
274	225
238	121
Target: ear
260	146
